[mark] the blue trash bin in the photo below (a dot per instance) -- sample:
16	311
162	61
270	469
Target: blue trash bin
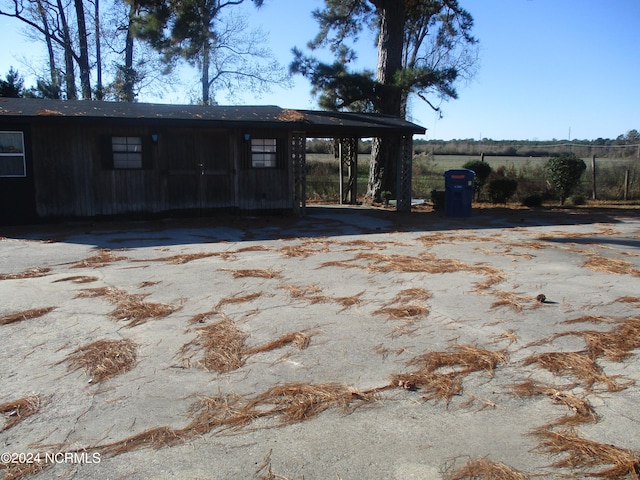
458	186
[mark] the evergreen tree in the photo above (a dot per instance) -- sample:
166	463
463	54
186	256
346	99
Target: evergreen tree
423	46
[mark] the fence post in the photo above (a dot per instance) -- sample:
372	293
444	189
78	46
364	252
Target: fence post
626	183
594	195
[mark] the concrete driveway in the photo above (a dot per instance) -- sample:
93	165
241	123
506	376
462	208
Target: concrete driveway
352	343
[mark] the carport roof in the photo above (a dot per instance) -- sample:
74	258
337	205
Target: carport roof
313	123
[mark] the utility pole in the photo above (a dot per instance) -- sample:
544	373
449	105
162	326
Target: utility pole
593	169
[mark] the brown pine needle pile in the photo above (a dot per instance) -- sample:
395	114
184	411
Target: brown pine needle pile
183	258
100	259
289	403
599	263
615	345
460	362
25	315
16	411
223	345
104	359
239	299
464	359
129	307
587	455
299	339
410	294
305	291
202	317
297	402
257	273
303	251
484	469
576	364
19	471
30	273
78	279
156	437
404	312
582	411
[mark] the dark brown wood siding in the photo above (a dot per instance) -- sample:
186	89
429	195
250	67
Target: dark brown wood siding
182	169
266	188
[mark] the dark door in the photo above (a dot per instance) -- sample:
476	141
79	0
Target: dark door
201	174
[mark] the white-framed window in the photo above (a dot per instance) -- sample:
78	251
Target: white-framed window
12	161
263	152
127	152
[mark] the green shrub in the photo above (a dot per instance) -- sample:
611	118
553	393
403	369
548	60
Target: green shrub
501	189
482	171
565	172
532	201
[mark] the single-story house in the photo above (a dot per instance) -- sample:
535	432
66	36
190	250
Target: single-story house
71	159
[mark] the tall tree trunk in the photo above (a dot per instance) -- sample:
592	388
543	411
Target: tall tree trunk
385	151
129	74
206	60
53	70
69	74
83	60
99	87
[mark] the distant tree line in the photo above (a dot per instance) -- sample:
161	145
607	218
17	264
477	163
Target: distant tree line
623	146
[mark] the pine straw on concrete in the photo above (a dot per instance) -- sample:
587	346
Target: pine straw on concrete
203	316
100	259
587	319
296	402
224	345
298	291
410	311
77	279
29	273
611	265
17	410
258	273
460	362
575	364
304	250
310	293
581	408
484	469
299	339
25	315
615	345
513	300
287	404
104	359
410	294
182	258
239	299
588	456
129	307
424	263
18	471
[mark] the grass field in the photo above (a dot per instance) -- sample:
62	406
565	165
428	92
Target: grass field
428	170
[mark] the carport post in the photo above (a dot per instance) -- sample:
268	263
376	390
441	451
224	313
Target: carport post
299	167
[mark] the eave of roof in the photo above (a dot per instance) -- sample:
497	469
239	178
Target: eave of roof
314	123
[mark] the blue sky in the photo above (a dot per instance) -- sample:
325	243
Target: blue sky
549	69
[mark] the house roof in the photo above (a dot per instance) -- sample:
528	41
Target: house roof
314	123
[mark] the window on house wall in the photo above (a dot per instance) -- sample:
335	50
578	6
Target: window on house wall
127	152
12	161
263	152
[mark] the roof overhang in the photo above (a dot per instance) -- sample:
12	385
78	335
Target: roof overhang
313	123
